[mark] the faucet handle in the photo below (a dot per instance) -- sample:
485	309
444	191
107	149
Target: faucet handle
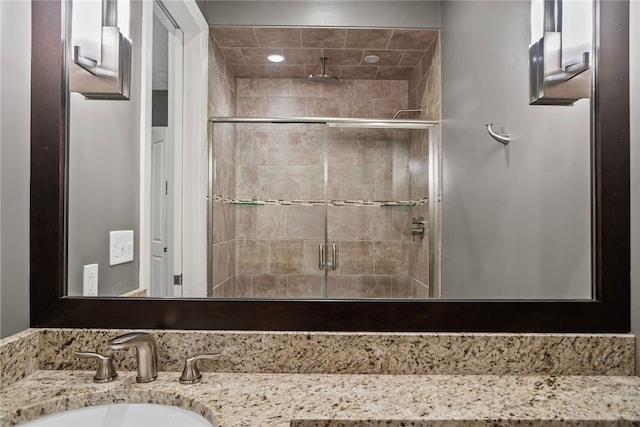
190	373
105	373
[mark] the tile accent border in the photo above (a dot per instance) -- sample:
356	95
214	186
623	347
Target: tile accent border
357	203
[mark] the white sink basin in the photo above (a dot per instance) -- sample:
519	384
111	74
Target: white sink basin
123	415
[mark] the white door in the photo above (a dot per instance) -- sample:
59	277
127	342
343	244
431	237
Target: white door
160	214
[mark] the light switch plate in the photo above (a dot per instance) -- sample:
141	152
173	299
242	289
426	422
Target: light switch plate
120	247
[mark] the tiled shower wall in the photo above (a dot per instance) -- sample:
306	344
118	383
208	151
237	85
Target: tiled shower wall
424	92
222	177
277	247
272	250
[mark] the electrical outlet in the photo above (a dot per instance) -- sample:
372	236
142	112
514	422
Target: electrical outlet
90	280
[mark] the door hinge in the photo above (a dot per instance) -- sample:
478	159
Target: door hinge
177	280
166	188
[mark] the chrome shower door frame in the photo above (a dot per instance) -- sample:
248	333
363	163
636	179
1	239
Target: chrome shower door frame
434	188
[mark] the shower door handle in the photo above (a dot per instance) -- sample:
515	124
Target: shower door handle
321	261
334	258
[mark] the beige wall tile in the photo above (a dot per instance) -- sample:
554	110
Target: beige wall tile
310	263
295	182
346	89
262	87
297	148
270	222
411	58
356	257
304	286
286	107
373	89
394	73
374	287
344	222
375	149
252	107
368	38
305	222
387	57
244	285
251	182
322	107
305	89
283	71
342	57
233	55
217	292
253	71
258	55
387	108
252	256
323	37
229	288
287	37
399	220
341	286
411	39
357	108
235	36
286	257
357	182
302	56
342	147
392	258
358	72
423	264
269	286
400	287
245	221
374	224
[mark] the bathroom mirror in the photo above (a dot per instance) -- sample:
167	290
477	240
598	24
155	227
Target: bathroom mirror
606	266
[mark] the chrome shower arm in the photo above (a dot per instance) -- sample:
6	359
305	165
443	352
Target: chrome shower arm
407	110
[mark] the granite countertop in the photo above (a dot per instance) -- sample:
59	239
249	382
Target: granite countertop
309	400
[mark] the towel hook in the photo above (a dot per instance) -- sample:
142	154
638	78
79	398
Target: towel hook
501	138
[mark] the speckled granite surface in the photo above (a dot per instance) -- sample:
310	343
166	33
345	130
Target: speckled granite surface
360	353
18	356
135	293
347	400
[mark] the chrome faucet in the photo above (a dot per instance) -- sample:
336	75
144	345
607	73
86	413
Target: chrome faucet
146	352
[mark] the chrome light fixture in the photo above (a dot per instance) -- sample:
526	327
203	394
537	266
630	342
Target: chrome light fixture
560	54
108	77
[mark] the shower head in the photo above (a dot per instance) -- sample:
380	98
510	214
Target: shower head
322	77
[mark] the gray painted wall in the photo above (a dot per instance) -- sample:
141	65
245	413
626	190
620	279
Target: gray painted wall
398	14
15	95
14	126
516	220
104	188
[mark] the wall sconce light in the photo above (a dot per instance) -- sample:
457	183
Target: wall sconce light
108	77
559	60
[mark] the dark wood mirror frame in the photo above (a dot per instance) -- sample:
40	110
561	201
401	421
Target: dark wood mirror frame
609	311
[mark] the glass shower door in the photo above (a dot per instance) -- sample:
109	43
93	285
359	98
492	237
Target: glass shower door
277	204
306	210
377	185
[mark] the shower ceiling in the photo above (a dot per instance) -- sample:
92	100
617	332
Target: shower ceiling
400	50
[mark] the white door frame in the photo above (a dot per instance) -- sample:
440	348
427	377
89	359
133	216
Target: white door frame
191	214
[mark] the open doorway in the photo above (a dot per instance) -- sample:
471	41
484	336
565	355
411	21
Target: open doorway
165	153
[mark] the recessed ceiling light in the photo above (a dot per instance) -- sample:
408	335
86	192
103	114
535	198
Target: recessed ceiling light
275	58
371	59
